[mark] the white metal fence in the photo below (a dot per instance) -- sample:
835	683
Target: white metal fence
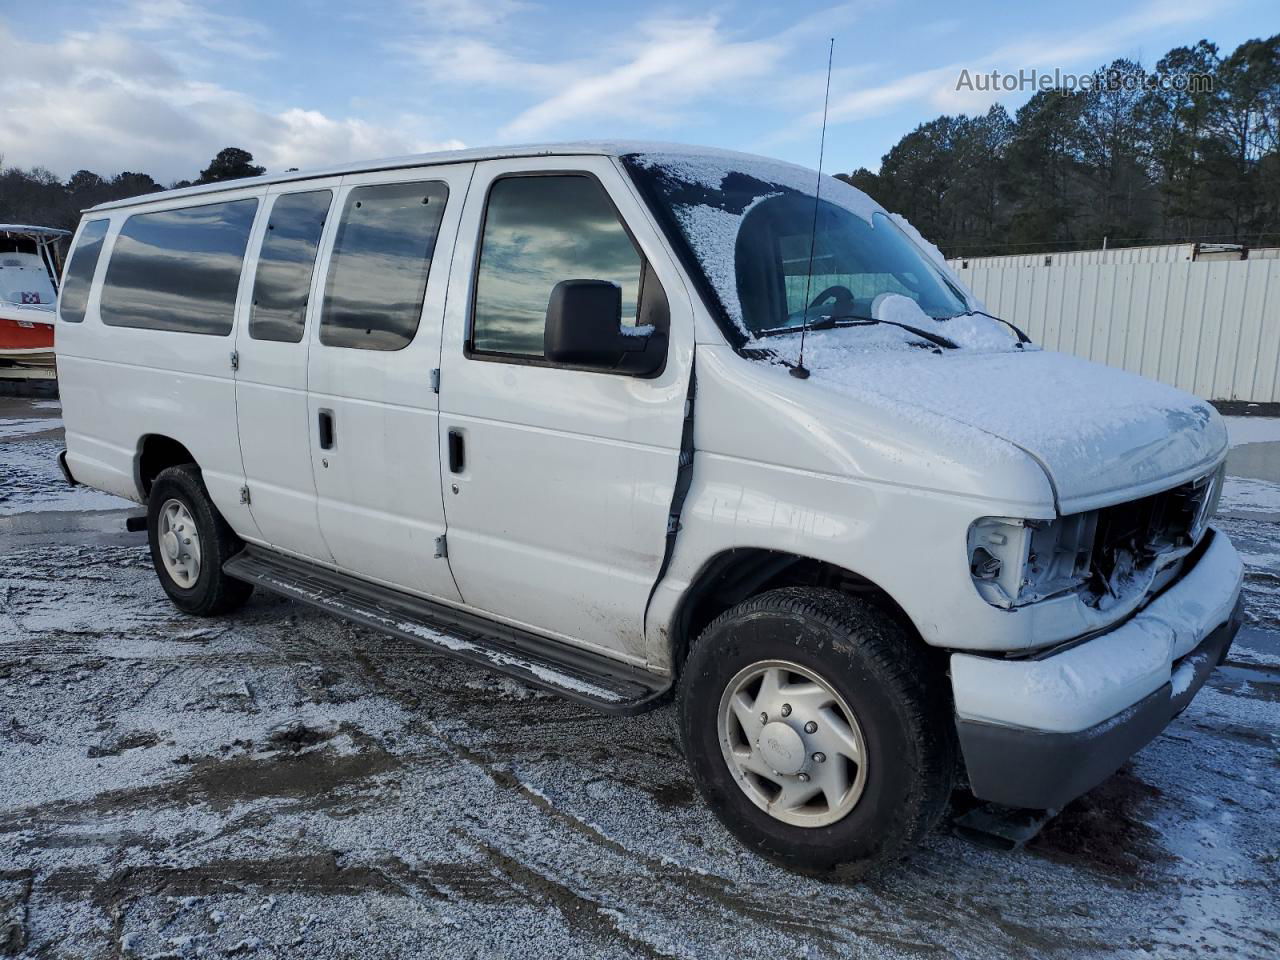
1212	328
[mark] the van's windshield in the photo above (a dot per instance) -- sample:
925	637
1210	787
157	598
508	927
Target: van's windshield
748	226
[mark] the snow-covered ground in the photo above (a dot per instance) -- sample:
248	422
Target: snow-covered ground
282	784
1255	459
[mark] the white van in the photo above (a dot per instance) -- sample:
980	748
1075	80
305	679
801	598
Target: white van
546	409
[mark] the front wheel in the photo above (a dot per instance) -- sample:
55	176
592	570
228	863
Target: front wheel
190	541
817	731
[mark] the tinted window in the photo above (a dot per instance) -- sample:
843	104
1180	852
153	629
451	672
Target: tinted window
77	278
537	232
282	285
381	258
178	269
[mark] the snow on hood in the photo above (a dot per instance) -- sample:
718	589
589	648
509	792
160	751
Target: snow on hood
1094	429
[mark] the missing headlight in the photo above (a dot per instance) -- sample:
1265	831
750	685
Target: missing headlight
1020	561
1106	554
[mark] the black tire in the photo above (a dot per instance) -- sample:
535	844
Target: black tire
213	591
900	700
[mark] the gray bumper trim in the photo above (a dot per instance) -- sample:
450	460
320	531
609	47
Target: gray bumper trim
1019	767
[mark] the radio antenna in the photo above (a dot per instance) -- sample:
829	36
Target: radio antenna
800	371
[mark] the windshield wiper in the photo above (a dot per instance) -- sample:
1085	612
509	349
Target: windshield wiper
1022	337
853	320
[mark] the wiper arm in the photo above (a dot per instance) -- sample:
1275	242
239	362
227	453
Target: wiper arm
1022	337
852	320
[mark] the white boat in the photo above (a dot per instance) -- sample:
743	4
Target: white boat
29	268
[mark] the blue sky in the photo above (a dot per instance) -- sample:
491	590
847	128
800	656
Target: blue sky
160	85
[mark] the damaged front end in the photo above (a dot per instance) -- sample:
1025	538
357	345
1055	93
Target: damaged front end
1109	558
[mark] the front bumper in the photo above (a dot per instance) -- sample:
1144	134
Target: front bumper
1040	732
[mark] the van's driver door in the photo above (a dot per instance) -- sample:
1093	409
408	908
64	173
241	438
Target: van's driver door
373	419
557	481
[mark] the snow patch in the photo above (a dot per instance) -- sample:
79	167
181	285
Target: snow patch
9	429
30	482
708	168
1245	494
1182	678
969	331
1094	427
713	234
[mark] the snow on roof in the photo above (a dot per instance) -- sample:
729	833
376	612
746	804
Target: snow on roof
607	148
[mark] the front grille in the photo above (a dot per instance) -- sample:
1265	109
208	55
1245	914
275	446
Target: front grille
1131	536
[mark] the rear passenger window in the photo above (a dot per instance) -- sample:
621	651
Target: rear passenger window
178	270
381	259
286	263
77	278
539	230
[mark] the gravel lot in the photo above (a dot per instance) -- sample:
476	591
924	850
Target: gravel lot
282	784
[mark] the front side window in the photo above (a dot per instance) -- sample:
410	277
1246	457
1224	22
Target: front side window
538	231
77	278
381	260
178	270
286	263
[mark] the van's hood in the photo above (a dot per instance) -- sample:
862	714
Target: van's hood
1095	430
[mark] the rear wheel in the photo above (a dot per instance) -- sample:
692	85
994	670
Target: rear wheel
817	730
190	541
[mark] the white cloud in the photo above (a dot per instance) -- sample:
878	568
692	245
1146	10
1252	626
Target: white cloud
661	70
215	32
298	138
470	62
466	15
109	102
674	63
937	86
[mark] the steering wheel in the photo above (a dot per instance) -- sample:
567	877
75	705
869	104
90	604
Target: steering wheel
841	295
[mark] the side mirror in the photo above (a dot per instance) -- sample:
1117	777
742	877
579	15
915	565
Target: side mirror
584	329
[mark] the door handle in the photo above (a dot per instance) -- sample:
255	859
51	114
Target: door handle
326	430
457	452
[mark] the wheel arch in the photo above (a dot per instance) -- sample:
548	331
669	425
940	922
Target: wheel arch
732	576
157	452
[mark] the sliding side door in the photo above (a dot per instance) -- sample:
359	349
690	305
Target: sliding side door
271	379
373	418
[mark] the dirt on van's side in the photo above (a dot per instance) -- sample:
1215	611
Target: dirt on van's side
281	784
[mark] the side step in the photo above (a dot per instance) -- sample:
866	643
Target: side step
607	685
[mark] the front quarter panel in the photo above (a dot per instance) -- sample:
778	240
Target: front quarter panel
780	466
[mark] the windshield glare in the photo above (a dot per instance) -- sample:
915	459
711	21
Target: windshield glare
751	237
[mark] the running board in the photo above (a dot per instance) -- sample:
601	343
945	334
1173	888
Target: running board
604	684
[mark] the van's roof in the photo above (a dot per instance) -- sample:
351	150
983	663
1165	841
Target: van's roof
609	148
